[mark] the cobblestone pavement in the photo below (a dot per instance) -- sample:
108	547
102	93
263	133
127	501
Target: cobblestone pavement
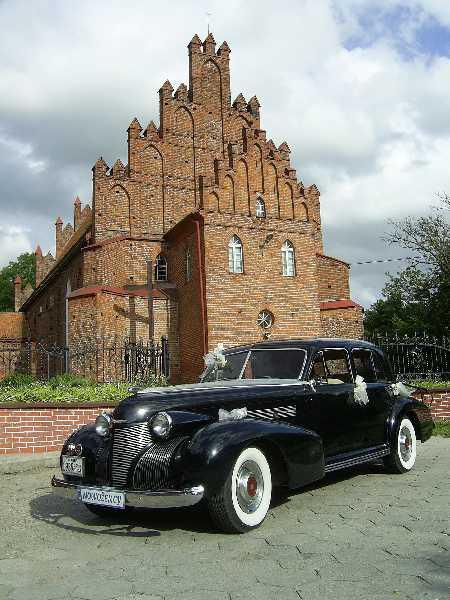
360	534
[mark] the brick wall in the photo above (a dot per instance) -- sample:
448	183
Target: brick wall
12	326
333	278
438	401
184	239
234	300
40	428
44	428
342	322
46	311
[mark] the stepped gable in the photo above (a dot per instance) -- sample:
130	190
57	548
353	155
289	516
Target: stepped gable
182	93
118	169
151	131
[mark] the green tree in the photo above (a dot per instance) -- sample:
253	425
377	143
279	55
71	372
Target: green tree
25	267
418	298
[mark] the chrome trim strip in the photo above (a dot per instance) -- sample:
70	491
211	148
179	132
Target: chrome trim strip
137	498
357	460
292	383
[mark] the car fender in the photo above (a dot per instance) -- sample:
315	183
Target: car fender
417	411
94	450
211	452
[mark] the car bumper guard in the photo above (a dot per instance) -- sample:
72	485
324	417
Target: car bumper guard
136	498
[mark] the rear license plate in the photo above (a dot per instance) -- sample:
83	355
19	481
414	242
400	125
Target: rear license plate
102	497
73	465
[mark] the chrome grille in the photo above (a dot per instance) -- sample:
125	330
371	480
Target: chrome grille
128	443
152	471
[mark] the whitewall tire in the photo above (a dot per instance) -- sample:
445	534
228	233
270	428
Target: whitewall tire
243	502
404	451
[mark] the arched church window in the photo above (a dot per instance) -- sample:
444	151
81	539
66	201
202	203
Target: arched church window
288	259
260	208
235	255
161	268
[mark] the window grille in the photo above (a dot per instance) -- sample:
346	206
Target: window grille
265	319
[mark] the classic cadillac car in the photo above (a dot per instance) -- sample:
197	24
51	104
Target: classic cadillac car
263	415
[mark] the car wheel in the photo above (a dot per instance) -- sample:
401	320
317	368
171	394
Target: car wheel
106	512
244	499
403	454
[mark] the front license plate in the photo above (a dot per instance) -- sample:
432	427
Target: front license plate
102	497
73	465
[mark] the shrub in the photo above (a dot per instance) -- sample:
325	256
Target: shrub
68	380
16	380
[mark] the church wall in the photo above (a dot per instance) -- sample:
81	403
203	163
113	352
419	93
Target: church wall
333	276
46	312
234	300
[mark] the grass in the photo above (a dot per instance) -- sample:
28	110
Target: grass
63	389
442	428
431	384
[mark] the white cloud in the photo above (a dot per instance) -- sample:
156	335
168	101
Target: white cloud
14	240
369	125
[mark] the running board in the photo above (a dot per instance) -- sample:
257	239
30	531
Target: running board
351	461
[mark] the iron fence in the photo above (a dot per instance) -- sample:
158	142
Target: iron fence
418	356
100	361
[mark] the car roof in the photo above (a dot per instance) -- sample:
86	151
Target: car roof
303	343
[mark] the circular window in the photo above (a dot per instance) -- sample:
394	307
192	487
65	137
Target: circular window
265	319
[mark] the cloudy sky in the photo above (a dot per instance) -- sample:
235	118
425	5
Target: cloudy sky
360	90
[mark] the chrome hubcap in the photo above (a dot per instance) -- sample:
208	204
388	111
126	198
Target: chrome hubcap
406	443
249	486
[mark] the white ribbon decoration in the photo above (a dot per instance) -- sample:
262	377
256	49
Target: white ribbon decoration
361	396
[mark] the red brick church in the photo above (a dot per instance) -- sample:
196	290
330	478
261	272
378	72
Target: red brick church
234	236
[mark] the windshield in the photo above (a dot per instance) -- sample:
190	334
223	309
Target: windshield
285	363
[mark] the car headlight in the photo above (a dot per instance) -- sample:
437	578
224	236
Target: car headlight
103	424
161	424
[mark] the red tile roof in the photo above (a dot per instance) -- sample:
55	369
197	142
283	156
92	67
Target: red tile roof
333	304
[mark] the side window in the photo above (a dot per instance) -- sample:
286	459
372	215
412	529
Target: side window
362	361
383	372
336	366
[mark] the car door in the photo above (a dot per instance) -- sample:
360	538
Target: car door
339	420
369	365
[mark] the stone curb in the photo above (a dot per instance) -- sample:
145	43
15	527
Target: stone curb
21	463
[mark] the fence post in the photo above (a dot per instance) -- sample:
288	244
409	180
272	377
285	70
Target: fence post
165	361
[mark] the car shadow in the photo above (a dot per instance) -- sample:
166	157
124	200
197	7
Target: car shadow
142	523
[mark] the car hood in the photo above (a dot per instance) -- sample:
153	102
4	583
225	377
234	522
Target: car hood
207	398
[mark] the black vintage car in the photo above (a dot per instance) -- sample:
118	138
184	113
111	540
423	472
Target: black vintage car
265	415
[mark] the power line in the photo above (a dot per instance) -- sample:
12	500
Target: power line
383	260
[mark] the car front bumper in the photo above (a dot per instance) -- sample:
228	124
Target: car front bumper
136	498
